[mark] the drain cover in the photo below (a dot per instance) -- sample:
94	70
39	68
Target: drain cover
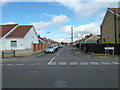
60	84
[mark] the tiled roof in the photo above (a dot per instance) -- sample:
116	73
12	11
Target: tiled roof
20	31
85	38
99	35
117	10
4	29
48	40
42	39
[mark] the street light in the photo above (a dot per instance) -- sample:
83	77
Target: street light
48	34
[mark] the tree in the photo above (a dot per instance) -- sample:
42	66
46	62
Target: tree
62	43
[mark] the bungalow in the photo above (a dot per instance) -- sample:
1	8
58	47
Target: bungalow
87	40
91	38
110	27
15	37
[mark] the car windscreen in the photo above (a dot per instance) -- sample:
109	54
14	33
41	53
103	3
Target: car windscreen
50	47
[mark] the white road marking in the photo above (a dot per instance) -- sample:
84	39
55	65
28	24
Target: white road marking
94	63
30	64
19	64
1	64
62	63
58	54
105	63
73	63
83	63
9	64
116	63
32	72
52	63
51	60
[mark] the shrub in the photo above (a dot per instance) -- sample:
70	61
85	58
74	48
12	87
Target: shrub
106	43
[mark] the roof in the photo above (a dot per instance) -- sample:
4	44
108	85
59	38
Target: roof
4	29
42	39
20	31
86	38
117	10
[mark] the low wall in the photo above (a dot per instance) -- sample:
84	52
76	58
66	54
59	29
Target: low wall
23	52
26	52
36	48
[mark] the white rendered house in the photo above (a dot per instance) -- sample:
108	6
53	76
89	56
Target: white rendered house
15	37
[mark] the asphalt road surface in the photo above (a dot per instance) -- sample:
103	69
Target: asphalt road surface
61	69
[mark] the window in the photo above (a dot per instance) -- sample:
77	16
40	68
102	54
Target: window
13	43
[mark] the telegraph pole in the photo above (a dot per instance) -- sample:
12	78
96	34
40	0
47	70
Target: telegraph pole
72	37
115	27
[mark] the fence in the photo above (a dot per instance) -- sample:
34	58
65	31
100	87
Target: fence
40	47
99	48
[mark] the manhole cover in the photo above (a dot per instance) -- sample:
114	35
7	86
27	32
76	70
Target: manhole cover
60	84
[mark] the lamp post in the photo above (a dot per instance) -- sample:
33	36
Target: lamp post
48	35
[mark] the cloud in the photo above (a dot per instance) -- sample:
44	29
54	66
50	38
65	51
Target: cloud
57	20
47	15
39	31
86	9
82	30
10	23
59	0
62	39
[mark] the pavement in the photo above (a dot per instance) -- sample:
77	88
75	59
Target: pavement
62	69
95	56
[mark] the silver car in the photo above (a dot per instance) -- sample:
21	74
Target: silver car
55	46
50	49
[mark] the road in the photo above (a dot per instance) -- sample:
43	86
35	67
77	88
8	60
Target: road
61	69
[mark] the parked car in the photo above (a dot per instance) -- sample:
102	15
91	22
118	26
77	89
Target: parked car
55	46
50	49
60	46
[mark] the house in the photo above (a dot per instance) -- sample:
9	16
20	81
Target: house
91	38
44	40
88	39
41	40
47	41
110	27
18	37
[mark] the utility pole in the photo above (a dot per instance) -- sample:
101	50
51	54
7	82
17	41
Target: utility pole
72	37
119	21
115	27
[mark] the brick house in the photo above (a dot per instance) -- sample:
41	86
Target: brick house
110	27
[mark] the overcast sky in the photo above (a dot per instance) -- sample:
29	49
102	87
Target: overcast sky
57	17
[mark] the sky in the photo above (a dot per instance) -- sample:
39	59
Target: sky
57	16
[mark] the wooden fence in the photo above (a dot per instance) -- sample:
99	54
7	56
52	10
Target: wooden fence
99	48
40	47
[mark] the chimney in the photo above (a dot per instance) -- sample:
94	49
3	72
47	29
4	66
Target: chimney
91	34
38	36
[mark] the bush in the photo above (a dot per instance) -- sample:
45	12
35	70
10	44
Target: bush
106	43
